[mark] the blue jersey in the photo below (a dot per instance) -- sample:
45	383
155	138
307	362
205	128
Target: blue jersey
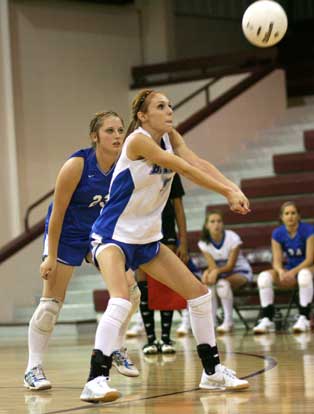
87	200
293	247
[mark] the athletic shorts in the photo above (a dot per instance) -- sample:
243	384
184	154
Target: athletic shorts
135	254
243	272
69	253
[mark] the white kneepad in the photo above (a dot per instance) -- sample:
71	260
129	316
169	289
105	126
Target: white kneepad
117	311
200	306
264	280
223	289
46	315
305	278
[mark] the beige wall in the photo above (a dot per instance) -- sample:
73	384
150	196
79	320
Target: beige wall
237	123
70	59
20	280
4	167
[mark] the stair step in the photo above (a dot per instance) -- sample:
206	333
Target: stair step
288	184
294	162
87	282
264	210
309	140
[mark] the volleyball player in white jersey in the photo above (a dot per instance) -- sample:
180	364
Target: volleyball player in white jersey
126	235
227	268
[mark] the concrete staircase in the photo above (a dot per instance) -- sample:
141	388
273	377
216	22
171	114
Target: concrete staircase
255	160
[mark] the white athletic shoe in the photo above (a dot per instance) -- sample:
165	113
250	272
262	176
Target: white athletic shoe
35	379
223	379
264	326
151	348
225	327
167	348
122	362
301	325
98	390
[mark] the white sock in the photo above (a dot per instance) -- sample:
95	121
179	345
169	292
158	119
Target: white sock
201	319
108	329
266	290
37	346
40	330
225	294
305	282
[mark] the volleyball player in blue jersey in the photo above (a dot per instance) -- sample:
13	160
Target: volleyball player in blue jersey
81	191
127	234
295	240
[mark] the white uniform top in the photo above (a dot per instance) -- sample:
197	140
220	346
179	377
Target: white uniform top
138	193
221	252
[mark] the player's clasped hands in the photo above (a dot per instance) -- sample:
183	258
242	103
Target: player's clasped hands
238	202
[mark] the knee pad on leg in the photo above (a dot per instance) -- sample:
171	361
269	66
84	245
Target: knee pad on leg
46	315
117	311
265	280
224	290
134	297
200	306
305	278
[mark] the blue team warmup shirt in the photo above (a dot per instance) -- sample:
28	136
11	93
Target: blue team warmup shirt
293	247
86	203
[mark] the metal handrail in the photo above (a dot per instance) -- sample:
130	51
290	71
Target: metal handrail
32	206
204	88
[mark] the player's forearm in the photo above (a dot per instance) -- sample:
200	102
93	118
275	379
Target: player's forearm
303	265
54	232
181	223
228	267
277	265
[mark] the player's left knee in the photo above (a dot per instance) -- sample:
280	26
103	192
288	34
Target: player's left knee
305	278
223	289
200	306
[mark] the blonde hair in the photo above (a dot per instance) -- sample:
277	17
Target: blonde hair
98	120
139	103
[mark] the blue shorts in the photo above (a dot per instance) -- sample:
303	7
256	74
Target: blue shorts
69	253
135	254
243	272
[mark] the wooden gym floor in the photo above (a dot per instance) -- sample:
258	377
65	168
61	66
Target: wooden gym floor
280	369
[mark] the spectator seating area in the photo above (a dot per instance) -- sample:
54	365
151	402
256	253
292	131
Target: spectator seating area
294	181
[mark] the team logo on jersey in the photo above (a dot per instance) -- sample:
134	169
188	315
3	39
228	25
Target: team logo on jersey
296	252
157	169
100	200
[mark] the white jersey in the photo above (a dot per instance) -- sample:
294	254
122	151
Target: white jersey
221	252
138	193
